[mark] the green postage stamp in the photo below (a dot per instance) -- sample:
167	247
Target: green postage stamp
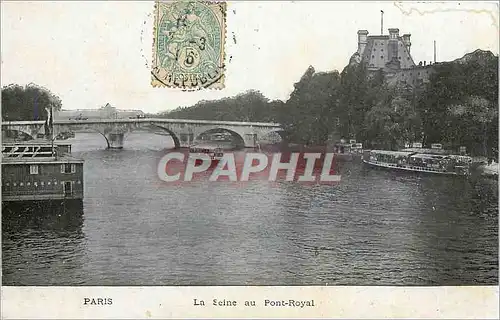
188	45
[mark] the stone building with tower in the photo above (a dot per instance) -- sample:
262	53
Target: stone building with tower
392	54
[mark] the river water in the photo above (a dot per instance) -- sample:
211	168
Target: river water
372	228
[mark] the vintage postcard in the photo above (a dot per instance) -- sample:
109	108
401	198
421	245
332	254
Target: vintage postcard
240	159
188	47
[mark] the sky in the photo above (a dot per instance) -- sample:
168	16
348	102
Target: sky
91	53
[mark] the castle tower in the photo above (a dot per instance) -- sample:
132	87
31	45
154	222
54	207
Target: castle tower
406	41
362	40
390	52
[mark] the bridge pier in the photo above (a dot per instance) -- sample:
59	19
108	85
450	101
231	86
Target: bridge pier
186	140
250	140
115	140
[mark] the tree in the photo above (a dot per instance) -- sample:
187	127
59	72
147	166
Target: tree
249	106
30	102
459	106
308	115
391	124
360	92
470	124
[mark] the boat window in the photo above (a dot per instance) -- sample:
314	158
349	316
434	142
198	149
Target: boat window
66	168
34	169
67	187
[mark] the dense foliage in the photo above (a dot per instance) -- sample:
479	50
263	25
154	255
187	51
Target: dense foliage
30	102
307	115
460	104
457	107
249	106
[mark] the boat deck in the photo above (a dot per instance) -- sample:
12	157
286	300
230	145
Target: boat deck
409	167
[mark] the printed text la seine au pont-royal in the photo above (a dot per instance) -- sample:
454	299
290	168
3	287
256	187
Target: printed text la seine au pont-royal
251	303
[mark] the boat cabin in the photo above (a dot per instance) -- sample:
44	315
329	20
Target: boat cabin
393	157
214	151
345	148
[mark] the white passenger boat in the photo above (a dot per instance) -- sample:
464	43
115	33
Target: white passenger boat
215	152
418	162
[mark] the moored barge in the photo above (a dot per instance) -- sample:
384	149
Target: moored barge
39	171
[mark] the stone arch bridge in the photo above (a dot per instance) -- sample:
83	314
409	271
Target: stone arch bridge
183	132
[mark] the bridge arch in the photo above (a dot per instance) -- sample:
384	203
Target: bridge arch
272	136
237	139
177	142
105	138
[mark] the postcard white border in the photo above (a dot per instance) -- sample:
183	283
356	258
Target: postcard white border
478	302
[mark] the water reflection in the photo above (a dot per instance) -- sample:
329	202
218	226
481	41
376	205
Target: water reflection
458	233
381	228
43	243
371	228
53	216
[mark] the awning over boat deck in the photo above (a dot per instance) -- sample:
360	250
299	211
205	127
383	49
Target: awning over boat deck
461	158
427	151
392	153
428	156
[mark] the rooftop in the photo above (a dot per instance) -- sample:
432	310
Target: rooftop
41	160
34	142
427	150
392	153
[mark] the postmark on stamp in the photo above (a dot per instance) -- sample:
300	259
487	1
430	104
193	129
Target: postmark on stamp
188	45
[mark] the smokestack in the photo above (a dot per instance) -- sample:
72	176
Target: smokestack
393	44
434	51
381	22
